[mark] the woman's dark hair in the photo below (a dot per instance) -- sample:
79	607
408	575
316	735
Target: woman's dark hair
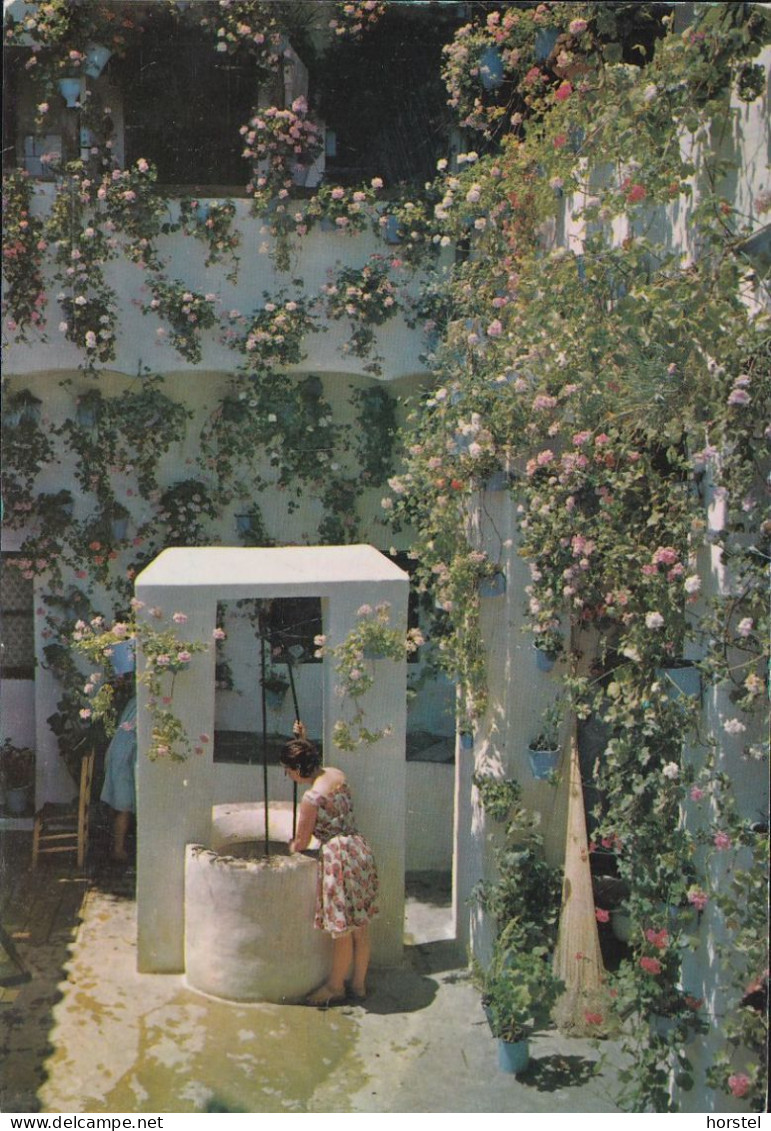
301	755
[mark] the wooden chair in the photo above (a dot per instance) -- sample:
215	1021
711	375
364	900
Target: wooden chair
64	827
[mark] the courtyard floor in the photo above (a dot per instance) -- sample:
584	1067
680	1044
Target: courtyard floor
87	1033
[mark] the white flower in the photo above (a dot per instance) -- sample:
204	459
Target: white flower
692	584
744	627
653	620
671	771
734	726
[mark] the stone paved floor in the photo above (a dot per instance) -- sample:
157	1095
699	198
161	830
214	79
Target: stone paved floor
88	1033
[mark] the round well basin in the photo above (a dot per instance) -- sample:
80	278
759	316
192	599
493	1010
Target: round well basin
249	933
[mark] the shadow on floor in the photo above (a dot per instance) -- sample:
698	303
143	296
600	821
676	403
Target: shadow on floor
41	912
550	1073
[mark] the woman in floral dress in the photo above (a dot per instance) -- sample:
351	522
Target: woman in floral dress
348	883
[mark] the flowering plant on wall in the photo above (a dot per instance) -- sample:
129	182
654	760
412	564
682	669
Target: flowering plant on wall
81	247
24	293
346	209
165	655
187	312
211	221
373	638
365	296
184	506
133	207
281	143
27	448
275	334
352	17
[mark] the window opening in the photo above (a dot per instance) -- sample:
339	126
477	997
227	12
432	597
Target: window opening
17	655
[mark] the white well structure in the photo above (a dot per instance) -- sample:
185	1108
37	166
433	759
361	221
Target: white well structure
242	928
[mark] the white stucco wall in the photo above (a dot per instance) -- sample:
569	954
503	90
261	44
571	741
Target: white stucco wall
319	253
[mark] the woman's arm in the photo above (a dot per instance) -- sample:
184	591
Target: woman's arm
306	823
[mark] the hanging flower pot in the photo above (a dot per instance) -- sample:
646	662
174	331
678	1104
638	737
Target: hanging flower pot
661	1025
17	800
498	481
491	68
244	523
119	527
544	660
494	586
389	226
87	410
97	58
621	924
681	679
466	739
69	88
543	763
275	692
123	657
23	408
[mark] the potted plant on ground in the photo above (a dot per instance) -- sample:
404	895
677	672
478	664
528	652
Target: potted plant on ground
519	988
17	775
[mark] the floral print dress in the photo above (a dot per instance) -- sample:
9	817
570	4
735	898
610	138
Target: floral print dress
347	891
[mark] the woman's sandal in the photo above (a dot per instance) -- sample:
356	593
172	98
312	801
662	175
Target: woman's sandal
357	999
322	999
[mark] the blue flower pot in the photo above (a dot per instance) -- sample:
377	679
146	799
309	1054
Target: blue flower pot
494	586
543	762
544	661
513	1056
682	680
274	698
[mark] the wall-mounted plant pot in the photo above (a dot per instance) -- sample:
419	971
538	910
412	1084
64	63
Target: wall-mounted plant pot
123	657
466	739
390	229
545	42
621	923
69	88
23	408
494	586
87	410
513	1056
683	679
498	481
543	762
119	527
544	661
274	697
97	58
17	800
661	1025
491	68
244	523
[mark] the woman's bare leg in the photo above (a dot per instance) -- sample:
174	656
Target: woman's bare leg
120	828
334	987
362	948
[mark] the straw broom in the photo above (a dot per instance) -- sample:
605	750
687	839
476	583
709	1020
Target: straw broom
583	1008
